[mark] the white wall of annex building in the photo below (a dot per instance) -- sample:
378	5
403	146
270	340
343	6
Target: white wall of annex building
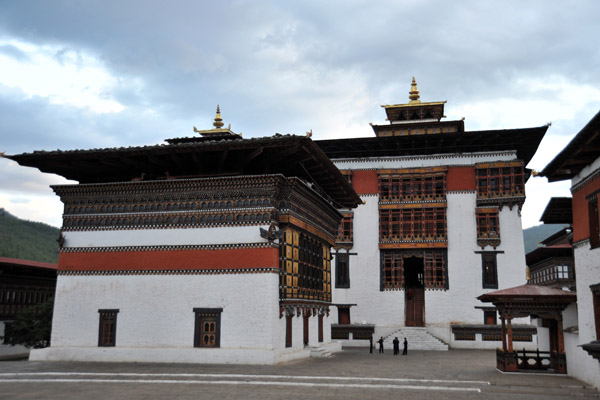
579	363
156	318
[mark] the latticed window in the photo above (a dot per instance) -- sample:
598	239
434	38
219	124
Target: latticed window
412	186
500	180
487	223
107	332
207	327
412	224
434	267
305	267
345	229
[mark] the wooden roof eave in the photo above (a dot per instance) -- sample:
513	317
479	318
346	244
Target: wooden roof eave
581	151
291	155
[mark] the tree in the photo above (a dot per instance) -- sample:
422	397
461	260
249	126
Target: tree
32	326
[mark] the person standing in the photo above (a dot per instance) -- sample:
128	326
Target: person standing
380	341
371	345
405	350
396	346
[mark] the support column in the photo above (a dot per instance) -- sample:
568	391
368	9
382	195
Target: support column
509	332
560	363
560	334
503	333
510	358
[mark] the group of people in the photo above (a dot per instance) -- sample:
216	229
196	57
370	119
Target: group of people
396	343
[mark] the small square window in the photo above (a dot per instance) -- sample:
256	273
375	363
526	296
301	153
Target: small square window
489	317
207	330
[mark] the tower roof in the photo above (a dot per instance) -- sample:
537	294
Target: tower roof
415	110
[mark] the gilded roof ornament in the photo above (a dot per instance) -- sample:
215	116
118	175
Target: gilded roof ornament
218	120
413	95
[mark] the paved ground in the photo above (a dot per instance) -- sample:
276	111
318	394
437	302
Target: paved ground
352	374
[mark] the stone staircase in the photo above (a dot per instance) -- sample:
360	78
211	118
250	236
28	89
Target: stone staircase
319	352
418	339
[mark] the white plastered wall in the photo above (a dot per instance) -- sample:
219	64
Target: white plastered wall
443	308
579	363
155	322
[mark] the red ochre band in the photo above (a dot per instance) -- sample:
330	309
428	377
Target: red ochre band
219	259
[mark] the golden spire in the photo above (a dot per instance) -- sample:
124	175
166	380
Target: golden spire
218	120
413	95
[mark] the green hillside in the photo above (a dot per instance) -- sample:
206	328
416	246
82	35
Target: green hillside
532	236
27	240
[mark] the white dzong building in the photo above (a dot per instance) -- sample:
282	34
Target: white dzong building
209	249
440	224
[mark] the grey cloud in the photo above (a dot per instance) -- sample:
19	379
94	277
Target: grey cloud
14	52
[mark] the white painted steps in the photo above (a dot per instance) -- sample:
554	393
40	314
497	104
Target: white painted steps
418	339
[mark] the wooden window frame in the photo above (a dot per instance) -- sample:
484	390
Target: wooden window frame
344	311
596	307
488	315
500	180
289	320
594	222
203	316
107	327
435	268
342	270
345	229
412	224
488	223
412	186
305	267
489	270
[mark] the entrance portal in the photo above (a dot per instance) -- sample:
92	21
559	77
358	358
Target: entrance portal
414	291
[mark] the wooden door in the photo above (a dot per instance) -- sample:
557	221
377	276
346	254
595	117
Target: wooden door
415	305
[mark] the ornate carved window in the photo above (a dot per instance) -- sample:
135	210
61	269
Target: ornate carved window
488	227
412	224
412	186
345	229
503	179
107	331
207	327
305	267
433	263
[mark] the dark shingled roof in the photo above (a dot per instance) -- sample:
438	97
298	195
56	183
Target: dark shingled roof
524	141
292	156
558	211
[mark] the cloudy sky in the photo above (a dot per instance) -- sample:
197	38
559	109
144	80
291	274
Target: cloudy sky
89	74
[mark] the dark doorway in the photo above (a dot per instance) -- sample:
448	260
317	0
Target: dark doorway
414	291
306	330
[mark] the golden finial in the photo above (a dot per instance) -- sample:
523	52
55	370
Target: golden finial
413	95
218	120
